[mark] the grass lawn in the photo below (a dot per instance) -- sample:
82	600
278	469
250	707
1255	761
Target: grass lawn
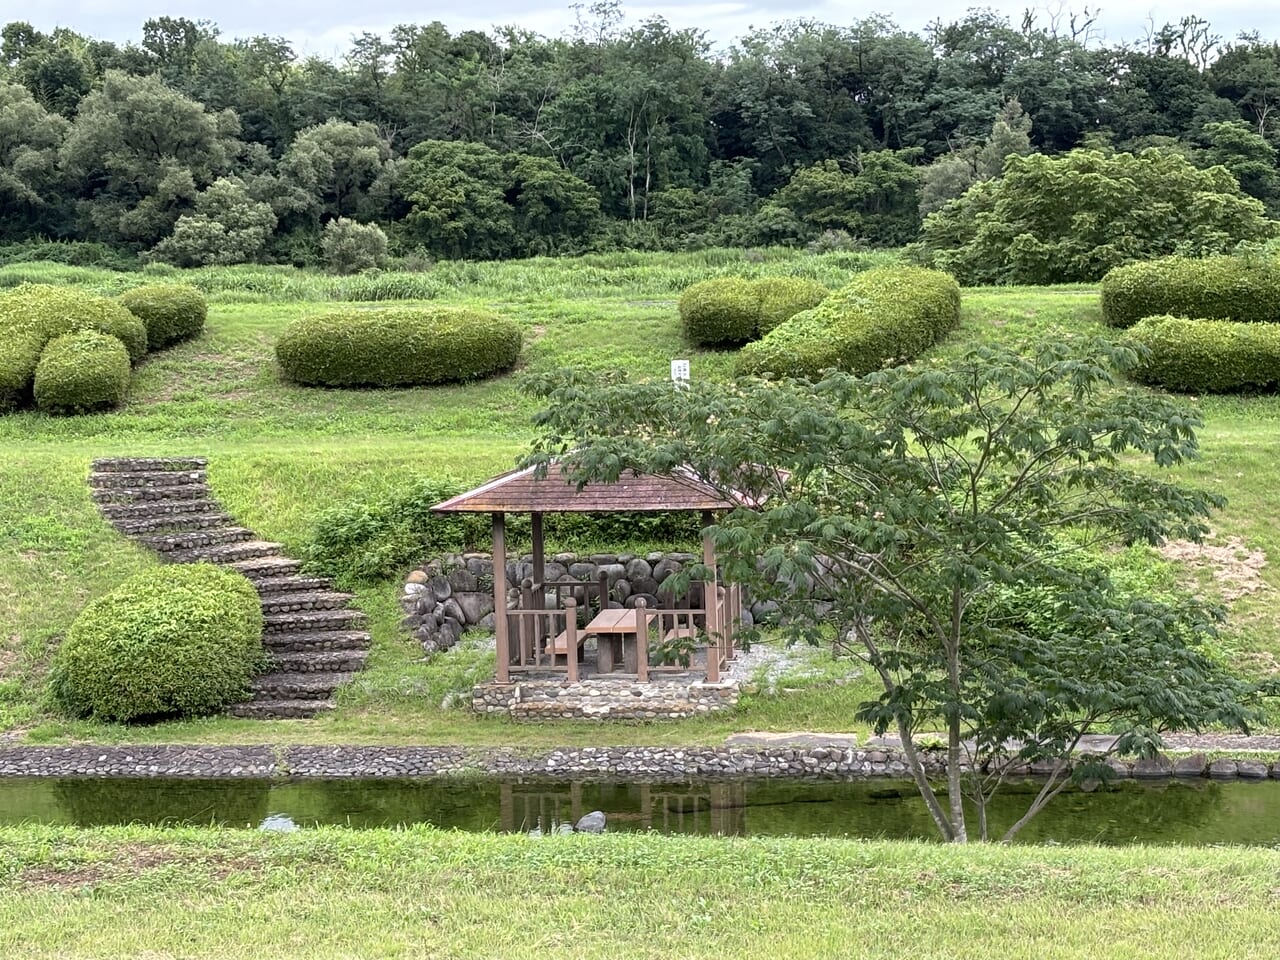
420	893
280	454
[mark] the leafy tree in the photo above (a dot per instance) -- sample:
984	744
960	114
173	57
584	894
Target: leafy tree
873	196
949	177
952	515
350	247
228	227
1249	157
30	139
1072	218
555	212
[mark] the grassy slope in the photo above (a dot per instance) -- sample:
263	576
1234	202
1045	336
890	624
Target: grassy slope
418	893
279	454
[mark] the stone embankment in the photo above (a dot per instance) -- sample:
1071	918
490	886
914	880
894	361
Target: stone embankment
657	764
315	640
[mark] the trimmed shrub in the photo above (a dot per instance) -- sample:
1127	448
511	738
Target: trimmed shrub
184	640
19	357
1207	356
781	298
170	312
397	347
720	312
81	372
1245	289
48	312
882	317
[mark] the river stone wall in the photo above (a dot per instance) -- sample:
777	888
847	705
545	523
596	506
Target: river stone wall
654	764
607	700
452	594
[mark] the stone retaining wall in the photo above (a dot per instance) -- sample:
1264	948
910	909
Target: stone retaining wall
671	764
603	700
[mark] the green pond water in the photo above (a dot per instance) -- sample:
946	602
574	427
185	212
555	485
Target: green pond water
1184	812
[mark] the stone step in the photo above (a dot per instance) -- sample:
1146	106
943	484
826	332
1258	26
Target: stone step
262	569
271	587
308	620
163	543
194	491
318	661
281	709
318	641
158	509
172	523
298	686
147	464
226	553
299	601
148	479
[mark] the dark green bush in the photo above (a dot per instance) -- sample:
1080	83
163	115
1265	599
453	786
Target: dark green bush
183	640
81	372
721	312
171	312
19	357
1207	356
397	347
1246	289
882	317
781	298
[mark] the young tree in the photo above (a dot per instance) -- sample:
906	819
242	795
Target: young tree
228	227
952	514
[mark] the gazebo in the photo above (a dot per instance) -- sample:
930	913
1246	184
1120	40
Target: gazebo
542	633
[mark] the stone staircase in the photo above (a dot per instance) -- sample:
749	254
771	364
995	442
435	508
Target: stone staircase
316	641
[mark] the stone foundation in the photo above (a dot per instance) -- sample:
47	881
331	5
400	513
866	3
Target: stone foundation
603	699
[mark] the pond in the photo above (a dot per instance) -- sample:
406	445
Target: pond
1187	812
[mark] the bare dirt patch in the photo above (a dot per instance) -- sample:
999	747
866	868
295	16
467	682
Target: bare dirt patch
1236	567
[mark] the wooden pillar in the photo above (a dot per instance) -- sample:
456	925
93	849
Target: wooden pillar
500	598
571	637
539	558
642	641
710	600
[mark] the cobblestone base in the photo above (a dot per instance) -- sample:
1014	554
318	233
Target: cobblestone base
603	699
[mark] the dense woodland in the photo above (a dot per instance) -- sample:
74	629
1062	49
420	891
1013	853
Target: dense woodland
193	148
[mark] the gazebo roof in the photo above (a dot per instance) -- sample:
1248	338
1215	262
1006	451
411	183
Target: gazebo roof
522	492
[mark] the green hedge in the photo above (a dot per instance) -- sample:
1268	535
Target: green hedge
781	298
48	312
171	312
882	317
397	347
1207	356
81	372
19	357
183	640
1245	289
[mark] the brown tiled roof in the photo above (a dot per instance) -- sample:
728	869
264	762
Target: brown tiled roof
522	492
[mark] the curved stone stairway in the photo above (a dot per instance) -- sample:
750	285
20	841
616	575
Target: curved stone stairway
315	640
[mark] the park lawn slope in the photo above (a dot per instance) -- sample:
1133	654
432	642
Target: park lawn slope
330	893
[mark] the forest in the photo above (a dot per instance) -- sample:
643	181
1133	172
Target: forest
191	148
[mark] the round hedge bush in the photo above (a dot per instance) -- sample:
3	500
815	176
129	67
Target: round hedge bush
882	317
720	312
184	640
81	372
1245	289
19	357
1207	356
397	347
170	311
781	298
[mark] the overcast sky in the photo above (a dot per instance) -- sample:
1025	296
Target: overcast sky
325	26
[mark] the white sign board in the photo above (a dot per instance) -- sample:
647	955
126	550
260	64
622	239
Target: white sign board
680	372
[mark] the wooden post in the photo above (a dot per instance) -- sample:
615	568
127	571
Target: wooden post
642	642
528	633
710	598
571	637
500	599
602	585
539	559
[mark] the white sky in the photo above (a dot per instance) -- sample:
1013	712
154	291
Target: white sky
324	27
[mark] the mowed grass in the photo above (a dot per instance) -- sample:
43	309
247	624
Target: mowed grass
330	893
281	454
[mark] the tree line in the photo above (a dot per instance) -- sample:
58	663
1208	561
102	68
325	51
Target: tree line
193	148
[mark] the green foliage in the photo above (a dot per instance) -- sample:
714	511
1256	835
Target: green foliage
1207	356
1245	289
397	347
171	312
722	311
228	226
1074	217
350	247
882	317
182	640
781	298
81	372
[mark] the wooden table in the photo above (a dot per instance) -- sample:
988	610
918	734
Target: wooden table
612	628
